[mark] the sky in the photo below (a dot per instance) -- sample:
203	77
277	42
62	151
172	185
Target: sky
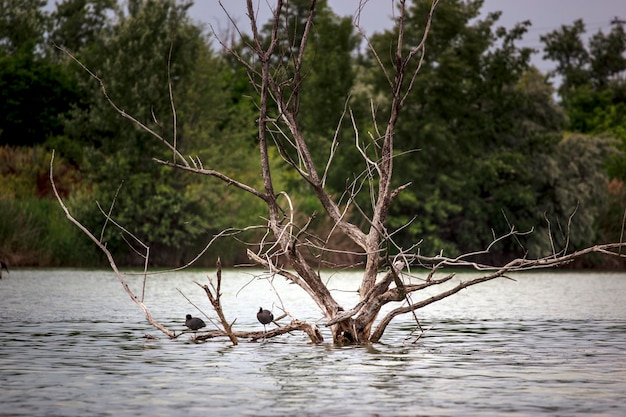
545	15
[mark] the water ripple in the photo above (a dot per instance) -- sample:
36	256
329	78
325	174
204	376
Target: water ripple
85	354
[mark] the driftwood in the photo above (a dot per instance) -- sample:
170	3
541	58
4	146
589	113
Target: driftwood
310	329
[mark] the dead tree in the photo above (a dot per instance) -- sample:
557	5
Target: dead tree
283	249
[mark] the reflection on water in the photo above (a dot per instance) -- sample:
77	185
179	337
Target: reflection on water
72	344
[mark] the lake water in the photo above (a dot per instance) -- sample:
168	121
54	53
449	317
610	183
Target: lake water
73	344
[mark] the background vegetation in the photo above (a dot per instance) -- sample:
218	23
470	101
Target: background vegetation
485	139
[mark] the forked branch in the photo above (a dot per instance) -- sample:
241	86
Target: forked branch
214	296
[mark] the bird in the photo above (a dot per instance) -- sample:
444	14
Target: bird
194	323
3	265
264	317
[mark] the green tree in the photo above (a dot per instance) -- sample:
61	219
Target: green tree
22	25
484	125
329	79
566	47
149	46
574	184
35	91
215	117
593	94
329	74
147	49
76	24
593	90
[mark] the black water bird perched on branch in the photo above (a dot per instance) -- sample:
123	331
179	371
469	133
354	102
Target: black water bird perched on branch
264	317
194	323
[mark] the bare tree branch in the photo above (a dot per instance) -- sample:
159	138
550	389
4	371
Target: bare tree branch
310	329
112	263
172	106
214	296
216	174
120	111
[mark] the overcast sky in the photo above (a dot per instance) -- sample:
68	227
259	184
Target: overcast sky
545	15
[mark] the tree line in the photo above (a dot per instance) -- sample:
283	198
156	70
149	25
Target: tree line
484	140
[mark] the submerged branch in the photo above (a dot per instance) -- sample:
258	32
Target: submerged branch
309	328
215	300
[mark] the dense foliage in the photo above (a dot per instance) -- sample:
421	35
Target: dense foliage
481	137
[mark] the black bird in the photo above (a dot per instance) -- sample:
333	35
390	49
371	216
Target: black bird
265	317
3	266
194	323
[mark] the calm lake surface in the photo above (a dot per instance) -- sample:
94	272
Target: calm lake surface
72	343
